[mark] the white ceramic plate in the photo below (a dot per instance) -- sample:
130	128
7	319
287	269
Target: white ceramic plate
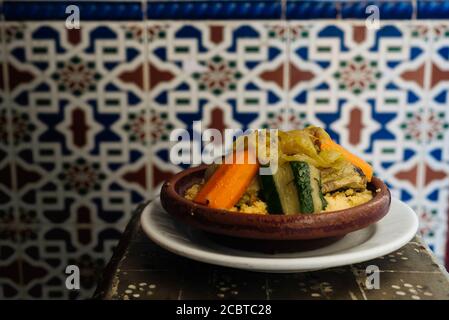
387	235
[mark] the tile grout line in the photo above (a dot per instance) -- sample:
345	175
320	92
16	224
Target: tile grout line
338	8
286	70
146	88
415	10
423	149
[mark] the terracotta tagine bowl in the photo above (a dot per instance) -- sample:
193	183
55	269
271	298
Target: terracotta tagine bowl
270	227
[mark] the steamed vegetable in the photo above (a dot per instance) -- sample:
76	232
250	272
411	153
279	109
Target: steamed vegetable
280	192
308	185
304	145
329	144
347	176
227	184
271	194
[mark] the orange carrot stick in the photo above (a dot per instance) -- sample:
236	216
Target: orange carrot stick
328	144
227	185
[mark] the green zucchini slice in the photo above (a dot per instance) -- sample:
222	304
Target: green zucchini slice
279	191
308	185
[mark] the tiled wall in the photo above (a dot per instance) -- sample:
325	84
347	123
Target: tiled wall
85	114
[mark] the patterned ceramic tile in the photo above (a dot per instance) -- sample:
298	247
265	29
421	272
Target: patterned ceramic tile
36	10
10	264
78	138
365	89
49	249
215	10
434	220
229	75
34	258
74	124
383	101
10	277
5	139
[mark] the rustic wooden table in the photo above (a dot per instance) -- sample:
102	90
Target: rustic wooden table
140	269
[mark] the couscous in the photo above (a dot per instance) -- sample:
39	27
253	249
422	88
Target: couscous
250	203
346	199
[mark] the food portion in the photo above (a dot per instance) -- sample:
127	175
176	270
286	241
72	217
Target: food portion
227	184
343	177
279	192
346	199
314	174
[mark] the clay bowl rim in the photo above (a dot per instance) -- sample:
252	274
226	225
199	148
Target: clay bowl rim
169	187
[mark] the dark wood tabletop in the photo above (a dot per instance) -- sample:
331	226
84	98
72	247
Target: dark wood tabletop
139	269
